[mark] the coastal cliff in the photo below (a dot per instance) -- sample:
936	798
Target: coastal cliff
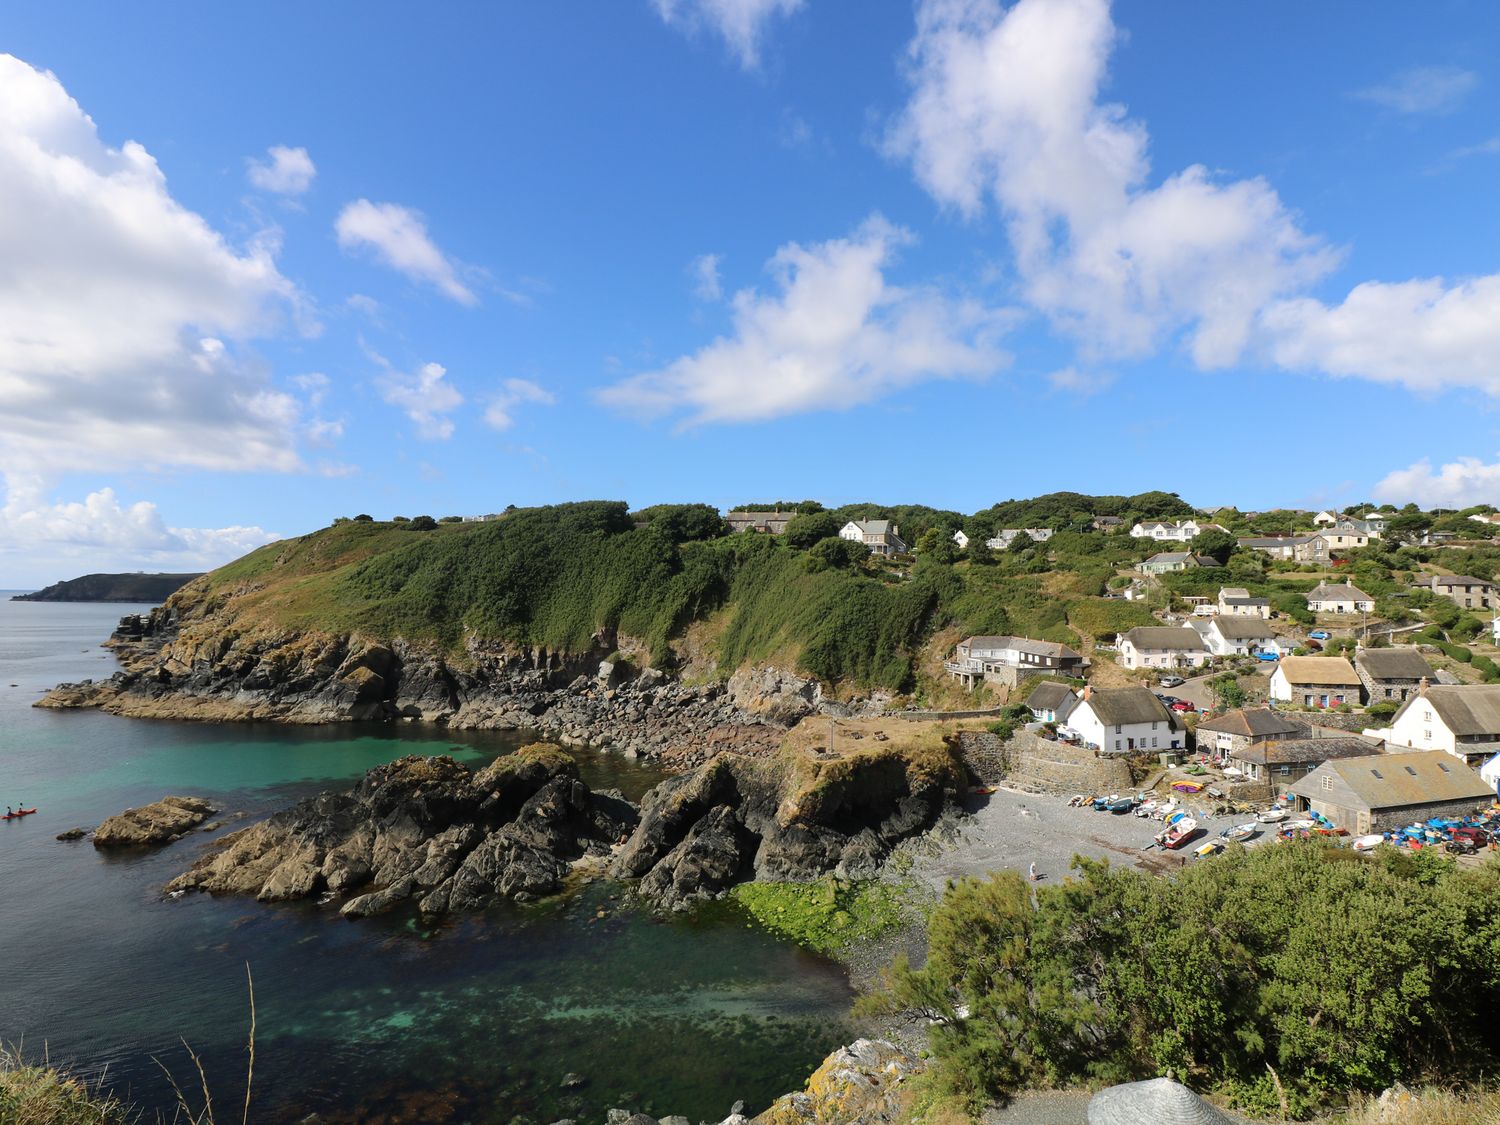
111	588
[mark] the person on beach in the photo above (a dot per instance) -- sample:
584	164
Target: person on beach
1031	873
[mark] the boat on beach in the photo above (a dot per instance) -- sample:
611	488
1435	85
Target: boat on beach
1272	816
1178	833
1241	831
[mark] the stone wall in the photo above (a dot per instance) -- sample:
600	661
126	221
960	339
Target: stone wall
1034	762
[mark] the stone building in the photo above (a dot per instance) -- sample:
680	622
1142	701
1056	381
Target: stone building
1380	792
1280	763
1390	675
1224	734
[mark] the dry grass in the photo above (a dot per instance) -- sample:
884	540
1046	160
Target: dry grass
44	1095
1426	1107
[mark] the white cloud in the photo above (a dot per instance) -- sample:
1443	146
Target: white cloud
290	171
61	540
835	334
500	414
1458	484
1490	147
704	271
1423	89
1005	109
398	236
1081	383
426	397
1424	334
116	304
740	23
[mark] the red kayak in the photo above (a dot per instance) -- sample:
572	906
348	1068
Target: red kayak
18	814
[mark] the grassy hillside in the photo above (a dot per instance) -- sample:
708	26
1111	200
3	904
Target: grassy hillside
559	576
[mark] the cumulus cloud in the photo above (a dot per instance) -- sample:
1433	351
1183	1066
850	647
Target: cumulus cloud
1425	334
289	171
501	412
99	532
1081	383
704	270
1458	484
740	23
1423	89
836	333
426	397
398	237
120	310
1005	111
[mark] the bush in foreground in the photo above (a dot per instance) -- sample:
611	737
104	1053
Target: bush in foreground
40	1095
1285	977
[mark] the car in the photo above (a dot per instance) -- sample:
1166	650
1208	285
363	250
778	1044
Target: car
1314	646
1476	836
1461	845
1168	699
1319	634
1172	681
1183	706
1267	657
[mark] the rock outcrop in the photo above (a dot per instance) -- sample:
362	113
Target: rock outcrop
181	663
865	1082
428	830
158	823
794	818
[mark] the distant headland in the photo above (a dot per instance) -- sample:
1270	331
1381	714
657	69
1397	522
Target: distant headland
136	587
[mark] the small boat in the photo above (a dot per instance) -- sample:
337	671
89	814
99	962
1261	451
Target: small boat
1188	786
1272	816
17	815
1146	807
1179	834
1208	848
1366	843
1123	805
1100	803
984	790
1077	800
1302	825
1241	831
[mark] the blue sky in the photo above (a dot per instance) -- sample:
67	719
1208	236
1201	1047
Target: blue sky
271	265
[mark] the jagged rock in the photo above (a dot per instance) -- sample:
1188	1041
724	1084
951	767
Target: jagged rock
158	823
424	829
73	834
864	1082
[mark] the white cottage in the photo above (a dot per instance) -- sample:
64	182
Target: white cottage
1162	646
1460	719
1237	636
1124	719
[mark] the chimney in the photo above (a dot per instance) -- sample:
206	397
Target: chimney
1088	691
1422	688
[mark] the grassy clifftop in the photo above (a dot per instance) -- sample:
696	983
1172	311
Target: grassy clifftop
561	576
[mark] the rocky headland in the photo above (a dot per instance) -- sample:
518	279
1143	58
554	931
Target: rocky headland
180	661
432	832
110	588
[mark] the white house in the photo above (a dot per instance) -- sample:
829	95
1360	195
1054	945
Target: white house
1326	518
1345	537
977	657
1006	536
881	536
1236	636
962	540
1235	601
1339	597
1169	531
1051	703
1123	719
1162	646
1316	681
1461	719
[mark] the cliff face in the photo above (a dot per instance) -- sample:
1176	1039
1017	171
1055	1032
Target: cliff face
111	588
191	659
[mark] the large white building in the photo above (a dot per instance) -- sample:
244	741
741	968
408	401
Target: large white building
1124	719
1228	635
881	536
1162	646
1169	531
1460	719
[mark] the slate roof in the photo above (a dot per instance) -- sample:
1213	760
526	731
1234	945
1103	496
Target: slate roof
1384	781
1327	671
1400	663
1243	628
1051	697
1172	637
1258	722
1466	709
1459	580
1295	751
876	527
1119	706
1171	557
1049	649
1337	592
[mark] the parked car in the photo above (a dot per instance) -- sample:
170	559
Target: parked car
1172	681
1182	706
1267	657
1314	646
1476	836
1319	634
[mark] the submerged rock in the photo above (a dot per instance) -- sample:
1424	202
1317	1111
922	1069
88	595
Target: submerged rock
158	823
73	834
428	830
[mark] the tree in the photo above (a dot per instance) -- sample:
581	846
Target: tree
1215	544
451	519
421	523
803	530
683	523
1228	691
980	553
834	553
363	518
936	545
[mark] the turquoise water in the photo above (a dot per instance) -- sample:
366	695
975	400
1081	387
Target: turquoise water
476	1020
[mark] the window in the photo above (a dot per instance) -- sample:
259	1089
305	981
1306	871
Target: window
1427	734
1328	783
1117	728
1410	771
1442	767
1117	744
1377	774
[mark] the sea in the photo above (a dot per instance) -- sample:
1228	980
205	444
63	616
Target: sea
561	1009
